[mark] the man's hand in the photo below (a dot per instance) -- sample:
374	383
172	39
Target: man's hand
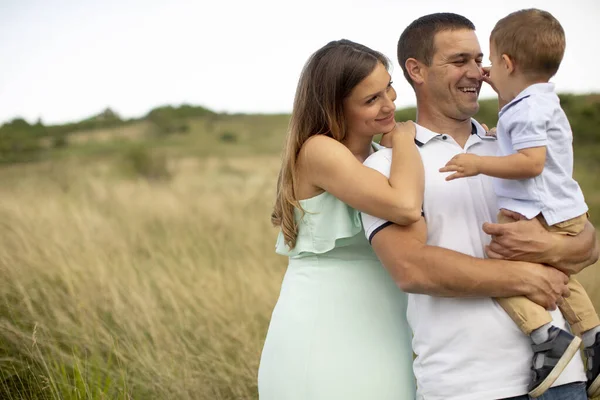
462	165
549	286
405	129
523	240
527	240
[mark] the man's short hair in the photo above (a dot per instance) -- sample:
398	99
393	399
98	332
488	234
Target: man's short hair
533	39
417	40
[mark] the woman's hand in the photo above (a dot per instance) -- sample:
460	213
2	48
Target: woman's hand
402	130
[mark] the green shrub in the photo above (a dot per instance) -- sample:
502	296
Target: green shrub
59	141
228	137
147	164
18	146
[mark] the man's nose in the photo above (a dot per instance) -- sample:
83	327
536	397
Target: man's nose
475	71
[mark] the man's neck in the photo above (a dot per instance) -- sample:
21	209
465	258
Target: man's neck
459	130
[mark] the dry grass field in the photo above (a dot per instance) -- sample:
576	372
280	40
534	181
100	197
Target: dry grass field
119	286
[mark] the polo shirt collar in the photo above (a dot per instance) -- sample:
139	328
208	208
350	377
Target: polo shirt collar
424	135
536	88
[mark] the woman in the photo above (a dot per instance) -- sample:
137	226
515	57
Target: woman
339	328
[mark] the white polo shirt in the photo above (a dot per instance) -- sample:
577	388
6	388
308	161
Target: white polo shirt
467	348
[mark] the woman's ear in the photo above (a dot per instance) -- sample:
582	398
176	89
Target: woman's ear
415	70
509	63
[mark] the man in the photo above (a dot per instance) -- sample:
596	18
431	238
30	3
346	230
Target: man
466	346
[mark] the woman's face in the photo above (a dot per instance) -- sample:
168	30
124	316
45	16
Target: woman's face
369	110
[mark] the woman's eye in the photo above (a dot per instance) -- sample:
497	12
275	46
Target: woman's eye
371	100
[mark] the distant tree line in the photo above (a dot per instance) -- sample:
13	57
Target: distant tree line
21	141
583	112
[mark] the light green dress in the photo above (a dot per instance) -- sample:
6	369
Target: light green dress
339	328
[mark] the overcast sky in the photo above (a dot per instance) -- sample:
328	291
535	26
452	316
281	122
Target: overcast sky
64	60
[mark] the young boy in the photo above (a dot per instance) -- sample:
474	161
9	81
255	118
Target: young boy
535	164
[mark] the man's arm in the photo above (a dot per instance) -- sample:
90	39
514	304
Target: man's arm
419	268
527	240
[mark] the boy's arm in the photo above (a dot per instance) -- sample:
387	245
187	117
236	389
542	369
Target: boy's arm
526	163
525	127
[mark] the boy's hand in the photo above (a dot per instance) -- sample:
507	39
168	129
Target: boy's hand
486	78
462	165
488	131
406	130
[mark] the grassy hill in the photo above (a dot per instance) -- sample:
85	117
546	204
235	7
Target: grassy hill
168	133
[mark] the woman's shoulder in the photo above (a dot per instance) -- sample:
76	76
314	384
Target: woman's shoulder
325	221
318	146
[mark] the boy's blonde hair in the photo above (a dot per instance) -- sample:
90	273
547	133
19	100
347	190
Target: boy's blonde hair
533	39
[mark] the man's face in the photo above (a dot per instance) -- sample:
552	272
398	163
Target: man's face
454	78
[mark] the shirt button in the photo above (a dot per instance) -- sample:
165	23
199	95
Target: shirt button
444	137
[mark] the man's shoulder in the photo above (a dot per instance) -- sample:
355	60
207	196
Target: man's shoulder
381	158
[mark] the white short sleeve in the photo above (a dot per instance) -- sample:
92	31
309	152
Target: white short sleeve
528	126
380	161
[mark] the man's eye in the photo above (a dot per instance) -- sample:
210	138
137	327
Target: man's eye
459	62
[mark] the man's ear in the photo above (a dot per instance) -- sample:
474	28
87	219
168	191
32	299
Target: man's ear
415	70
508	63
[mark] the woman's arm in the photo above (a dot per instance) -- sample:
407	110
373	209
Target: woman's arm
331	166
419	268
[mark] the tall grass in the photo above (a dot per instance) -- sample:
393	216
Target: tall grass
121	288
114	288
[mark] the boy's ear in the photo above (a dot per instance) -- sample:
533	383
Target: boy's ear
509	63
415	70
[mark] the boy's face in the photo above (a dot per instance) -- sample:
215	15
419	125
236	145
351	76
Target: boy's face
498	72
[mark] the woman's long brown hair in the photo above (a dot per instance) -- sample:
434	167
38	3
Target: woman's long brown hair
327	79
